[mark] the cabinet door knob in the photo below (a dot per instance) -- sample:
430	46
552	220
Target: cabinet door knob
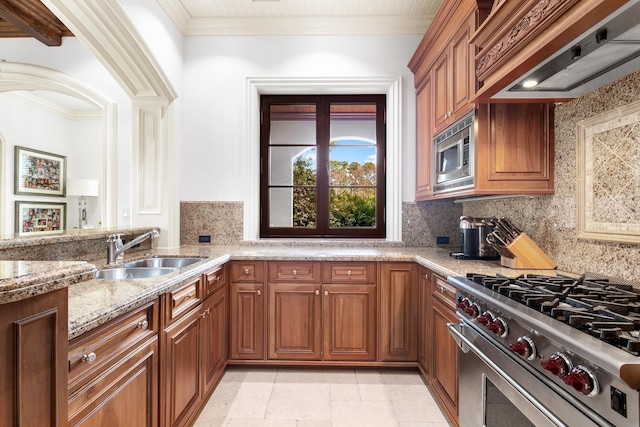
259	292
317	291
326	293
295	272
245	271
143	325
348	272
89	358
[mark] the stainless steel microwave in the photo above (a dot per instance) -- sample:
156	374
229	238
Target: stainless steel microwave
453	152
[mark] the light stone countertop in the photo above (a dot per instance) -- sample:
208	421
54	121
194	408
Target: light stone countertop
93	302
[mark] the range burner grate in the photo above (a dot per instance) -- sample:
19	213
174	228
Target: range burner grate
604	307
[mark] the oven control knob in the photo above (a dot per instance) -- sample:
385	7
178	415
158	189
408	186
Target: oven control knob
463	303
486	318
472	310
558	364
525	347
583	380
499	327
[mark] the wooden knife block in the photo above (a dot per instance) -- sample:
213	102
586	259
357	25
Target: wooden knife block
526	254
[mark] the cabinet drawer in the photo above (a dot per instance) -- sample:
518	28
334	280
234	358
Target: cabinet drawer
182	299
247	271
214	280
349	272
444	291
95	349
294	271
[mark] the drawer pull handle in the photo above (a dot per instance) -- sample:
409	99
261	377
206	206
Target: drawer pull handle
188	296
426	277
442	289
259	292
245	271
143	325
348	272
215	278
89	358
205	313
295	272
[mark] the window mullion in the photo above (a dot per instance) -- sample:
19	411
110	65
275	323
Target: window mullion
322	189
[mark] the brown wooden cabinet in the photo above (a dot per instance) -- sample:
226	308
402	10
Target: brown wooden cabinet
294	322
452	77
398	312
195	344
181	382
247	310
513	142
309	320
113	372
443	348
424	142
424	322
215	330
33	374
349	322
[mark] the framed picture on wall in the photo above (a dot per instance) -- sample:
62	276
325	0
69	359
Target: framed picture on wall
35	218
38	173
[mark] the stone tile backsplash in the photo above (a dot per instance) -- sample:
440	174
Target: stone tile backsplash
551	220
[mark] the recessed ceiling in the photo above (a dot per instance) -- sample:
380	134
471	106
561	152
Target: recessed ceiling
257	17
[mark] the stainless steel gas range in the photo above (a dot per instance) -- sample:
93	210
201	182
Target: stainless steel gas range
547	351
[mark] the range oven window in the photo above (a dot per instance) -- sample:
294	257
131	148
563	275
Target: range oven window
500	411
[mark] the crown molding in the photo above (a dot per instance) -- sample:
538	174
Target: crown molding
317	25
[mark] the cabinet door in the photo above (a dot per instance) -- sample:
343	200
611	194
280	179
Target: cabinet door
294	321
182	360
398	312
424	323
424	142
247	321
445	359
125	395
461	73
441	92
349	322
33	365
215	337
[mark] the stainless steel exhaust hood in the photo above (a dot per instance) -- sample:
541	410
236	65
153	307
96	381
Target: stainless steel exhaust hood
606	52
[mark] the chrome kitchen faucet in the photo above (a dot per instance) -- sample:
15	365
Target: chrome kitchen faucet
115	247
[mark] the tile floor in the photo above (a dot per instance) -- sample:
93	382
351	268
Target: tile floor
252	397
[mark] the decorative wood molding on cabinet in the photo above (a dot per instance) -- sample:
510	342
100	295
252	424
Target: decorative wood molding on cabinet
518	35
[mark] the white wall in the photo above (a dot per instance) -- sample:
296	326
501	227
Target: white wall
214	98
75	60
26	125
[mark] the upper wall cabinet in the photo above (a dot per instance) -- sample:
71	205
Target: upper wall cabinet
513	143
546	41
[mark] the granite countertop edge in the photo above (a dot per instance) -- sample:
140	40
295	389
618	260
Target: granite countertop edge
93	302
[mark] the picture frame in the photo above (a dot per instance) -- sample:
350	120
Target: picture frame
38	173
40	218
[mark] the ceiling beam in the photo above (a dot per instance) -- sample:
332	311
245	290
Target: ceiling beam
33	18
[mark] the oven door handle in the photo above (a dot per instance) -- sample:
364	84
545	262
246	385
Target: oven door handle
455	329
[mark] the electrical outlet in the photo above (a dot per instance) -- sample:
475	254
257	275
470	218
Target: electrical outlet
204	238
442	240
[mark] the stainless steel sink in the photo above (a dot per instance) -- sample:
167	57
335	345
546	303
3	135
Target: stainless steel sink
132	272
159	262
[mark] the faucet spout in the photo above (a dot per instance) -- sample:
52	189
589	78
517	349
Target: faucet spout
115	248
